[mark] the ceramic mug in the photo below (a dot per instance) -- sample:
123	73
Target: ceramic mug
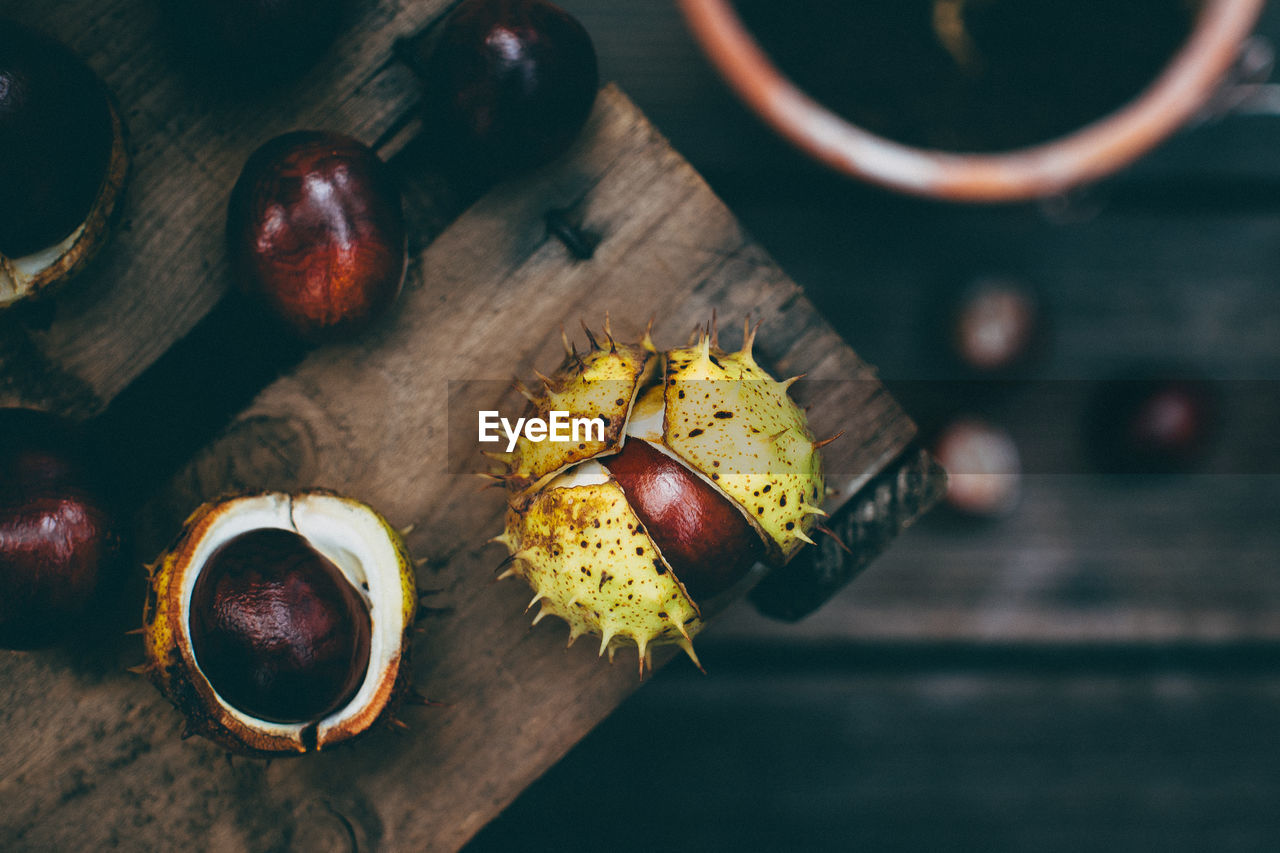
1189	82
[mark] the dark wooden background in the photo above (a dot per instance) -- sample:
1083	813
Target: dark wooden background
1100	670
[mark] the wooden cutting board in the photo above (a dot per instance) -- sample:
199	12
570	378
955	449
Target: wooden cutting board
93	758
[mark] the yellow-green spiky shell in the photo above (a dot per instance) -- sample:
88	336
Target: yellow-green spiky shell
599	383
590	561
736	425
574	537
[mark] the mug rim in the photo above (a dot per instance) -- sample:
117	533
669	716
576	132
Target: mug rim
1187	82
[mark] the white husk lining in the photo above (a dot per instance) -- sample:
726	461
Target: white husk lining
350	536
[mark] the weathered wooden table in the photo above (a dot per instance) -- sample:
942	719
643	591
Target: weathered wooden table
150	350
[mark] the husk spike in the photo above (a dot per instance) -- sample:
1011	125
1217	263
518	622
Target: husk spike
605	636
818	445
829	532
524	391
686	645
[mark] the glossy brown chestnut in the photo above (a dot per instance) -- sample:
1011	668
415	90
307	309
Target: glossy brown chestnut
708	542
249	39
509	83
316	231
57	537
276	628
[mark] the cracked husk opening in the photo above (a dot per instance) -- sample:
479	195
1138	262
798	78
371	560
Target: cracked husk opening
570	531
367	551
31	275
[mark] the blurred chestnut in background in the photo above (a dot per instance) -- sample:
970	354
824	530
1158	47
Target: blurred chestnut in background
1153	426
62	162
57	535
316	232
984	468
247	40
509	83
996	326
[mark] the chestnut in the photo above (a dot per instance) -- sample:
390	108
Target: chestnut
316	232
509	83
62	162
280	623
57	535
277	630
703	466
1154	426
706	540
250	39
984	468
995	326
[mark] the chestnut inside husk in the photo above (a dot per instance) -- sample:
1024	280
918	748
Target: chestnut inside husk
63	162
704	538
58	539
316	232
282	623
277	630
704	467
509	83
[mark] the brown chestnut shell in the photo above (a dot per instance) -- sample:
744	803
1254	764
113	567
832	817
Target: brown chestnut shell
316	232
277	629
58	538
706	540
509	83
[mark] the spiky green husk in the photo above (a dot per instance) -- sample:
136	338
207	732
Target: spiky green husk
734	424
599	383
576	540
590	561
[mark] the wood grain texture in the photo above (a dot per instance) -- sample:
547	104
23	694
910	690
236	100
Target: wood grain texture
1086	560
166	268
373	418
923	755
